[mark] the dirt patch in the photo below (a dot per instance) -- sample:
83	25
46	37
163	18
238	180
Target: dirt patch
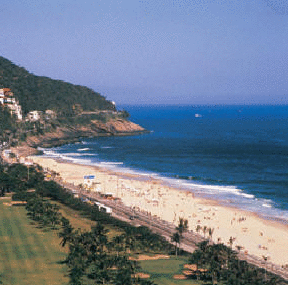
192	267
147	257
141	275
188	273
179	277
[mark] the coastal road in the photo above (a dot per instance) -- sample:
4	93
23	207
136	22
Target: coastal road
164	228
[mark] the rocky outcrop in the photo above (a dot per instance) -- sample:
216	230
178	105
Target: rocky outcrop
116	127
63	135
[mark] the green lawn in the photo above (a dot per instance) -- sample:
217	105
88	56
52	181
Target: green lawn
78	221
28	255
32	256
162	271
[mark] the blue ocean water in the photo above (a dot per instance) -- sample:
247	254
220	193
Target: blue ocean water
235	154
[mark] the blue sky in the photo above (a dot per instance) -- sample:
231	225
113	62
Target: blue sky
155	52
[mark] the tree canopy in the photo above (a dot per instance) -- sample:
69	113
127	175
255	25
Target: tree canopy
42	93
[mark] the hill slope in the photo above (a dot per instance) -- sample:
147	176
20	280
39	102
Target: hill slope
42	93
81	112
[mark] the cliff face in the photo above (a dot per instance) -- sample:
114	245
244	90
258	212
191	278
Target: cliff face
63	135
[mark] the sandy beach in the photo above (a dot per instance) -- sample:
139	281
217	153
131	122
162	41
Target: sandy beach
255	235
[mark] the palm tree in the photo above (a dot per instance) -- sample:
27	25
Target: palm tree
126	270
182	226
210	232
204	229
118	243
265	260
176	238
67	234
239	247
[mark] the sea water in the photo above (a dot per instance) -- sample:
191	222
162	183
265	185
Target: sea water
237	155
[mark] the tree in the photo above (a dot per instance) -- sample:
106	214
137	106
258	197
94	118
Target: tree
265	258
118	243
213	257
181	228
204	229
210	233
5	183
176	238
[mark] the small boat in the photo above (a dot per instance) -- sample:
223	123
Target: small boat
198	116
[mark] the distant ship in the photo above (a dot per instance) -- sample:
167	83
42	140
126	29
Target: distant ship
198	116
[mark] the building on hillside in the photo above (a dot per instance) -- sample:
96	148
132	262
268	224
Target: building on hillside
2	96
8	100
50	115
34	116
17	110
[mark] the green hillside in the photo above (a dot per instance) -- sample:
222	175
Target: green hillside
42	93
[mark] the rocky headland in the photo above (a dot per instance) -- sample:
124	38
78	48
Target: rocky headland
69	134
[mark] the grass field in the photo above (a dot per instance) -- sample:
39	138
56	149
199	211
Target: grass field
32	256
28	255
79	222
162	271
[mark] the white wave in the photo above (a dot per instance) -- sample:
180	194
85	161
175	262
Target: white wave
79	154
107	147
111	163
218	188
73	154
266	205
51	153
81	161
67	157
83	149
249	196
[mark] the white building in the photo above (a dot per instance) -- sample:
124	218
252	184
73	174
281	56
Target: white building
33	116
49	115
17	110
7	99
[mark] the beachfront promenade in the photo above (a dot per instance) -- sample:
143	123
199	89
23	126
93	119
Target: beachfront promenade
162	227
159	206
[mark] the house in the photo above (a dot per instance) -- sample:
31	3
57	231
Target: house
8	100
34	116
50	115
17	110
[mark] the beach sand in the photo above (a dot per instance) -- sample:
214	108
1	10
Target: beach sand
255	235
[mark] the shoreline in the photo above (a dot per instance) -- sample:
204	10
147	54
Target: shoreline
174	182
258	236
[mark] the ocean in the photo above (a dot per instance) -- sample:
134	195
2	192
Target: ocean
237	155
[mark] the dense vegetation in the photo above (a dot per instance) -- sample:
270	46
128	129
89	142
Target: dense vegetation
7	122
224	267
94	258
74	106
42	93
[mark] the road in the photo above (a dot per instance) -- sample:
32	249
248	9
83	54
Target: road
166	229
